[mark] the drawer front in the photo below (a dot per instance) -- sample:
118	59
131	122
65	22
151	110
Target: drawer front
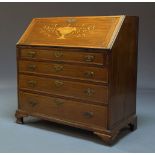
64	55
88	92
74	71
64	109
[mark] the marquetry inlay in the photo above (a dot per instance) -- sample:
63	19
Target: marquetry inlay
64	31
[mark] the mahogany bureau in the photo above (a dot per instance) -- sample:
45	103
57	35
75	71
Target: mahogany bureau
80	71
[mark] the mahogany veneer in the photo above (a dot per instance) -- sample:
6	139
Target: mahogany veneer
80	71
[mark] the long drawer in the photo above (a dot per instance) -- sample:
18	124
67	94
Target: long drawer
73	71
67	55
63	109
83	91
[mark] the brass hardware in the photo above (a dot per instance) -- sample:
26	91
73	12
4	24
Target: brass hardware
31	67
58	84
89	74
89	58
58	68
58	102
58	54
71	20
88	114
89	92
32	83
31	54
33	103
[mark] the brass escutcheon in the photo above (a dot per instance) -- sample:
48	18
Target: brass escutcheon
58	54
32	83
88	114
89	58
71	20
89	74
31	54
31	67
58	68
58	84
89	92
58	102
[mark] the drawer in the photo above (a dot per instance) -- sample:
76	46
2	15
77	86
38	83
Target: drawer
66	70
82	91
67	55
64	109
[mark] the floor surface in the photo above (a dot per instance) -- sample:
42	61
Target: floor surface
42	136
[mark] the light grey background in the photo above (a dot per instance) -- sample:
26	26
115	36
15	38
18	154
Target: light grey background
41	136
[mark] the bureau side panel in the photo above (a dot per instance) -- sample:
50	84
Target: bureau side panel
17	65
123	73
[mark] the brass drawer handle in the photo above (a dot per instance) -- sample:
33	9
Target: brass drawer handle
32	103
89	74
58	54
58	68
58	102
89	92
31	83
31	67
31	54
89	58
88	114
58	84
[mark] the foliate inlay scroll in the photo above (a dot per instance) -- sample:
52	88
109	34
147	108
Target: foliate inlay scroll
67	30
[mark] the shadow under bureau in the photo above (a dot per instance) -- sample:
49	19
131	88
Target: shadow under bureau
80	71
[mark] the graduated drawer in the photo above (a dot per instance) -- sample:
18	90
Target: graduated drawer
63	109
77	90
68	55
66	70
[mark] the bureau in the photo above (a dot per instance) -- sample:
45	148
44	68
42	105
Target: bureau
81	72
